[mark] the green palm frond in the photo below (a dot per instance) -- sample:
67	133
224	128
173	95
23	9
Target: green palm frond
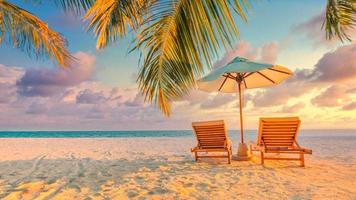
110	19
25	31
177	39
340	17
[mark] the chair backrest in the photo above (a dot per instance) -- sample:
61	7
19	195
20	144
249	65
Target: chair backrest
278	132
210	134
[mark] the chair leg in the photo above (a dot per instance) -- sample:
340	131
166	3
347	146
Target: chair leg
230	153
250	150
302	163
262	158
196	156
228	157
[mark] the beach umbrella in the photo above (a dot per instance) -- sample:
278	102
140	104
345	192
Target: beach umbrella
240	74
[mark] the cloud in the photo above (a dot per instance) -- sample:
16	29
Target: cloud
115	94
293	87
10	74
195	97
337	66
333	96
8	93
85	103
350	106
267	53
89	97
8	77
293	108
138	101
98	112
352	90
37	108
218	100
314	31
48	82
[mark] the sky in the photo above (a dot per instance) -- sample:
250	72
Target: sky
99	92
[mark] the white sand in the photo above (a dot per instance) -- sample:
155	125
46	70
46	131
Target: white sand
163	168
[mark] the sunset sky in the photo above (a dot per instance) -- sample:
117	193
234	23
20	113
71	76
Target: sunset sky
100	93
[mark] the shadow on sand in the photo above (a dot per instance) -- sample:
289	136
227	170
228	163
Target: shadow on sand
153	177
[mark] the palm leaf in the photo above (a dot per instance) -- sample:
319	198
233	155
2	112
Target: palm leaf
178	38
110	19
28	33
340	17
76	6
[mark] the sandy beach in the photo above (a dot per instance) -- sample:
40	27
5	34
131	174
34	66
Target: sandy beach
113	99
163	168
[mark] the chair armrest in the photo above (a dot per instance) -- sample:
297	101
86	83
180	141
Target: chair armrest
255	147
305	150
194	149
252	143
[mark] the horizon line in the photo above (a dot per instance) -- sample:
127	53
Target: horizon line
133	130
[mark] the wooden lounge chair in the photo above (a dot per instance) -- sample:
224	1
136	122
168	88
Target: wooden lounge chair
279	135
211	137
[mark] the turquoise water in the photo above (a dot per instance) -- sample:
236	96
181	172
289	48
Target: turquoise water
250	134
92	134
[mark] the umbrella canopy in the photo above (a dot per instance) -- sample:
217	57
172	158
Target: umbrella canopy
241	74
251	75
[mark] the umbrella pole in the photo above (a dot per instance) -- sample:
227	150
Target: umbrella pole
242	152
241	117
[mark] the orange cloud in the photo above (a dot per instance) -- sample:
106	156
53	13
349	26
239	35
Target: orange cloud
333	96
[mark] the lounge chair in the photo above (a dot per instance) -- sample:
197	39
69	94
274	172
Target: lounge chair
279	135
211	137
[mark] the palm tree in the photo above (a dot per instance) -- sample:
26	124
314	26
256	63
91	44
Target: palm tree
176	38
25	31
340	18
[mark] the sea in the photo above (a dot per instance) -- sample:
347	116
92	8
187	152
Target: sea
329	142
249	134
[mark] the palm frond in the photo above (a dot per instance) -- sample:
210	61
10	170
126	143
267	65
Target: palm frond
110	19
28	33
76	6
340	16
178	38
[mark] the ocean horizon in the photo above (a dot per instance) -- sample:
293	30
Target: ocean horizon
250	134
